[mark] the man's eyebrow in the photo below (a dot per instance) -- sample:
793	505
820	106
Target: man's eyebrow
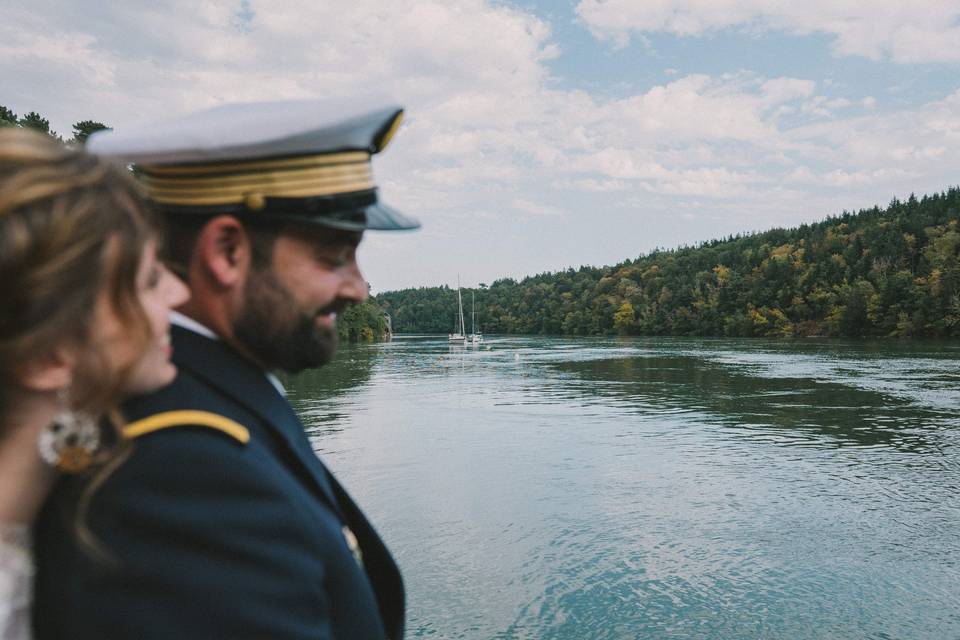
339	238
325	235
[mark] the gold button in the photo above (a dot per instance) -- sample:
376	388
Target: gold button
255	201
353	544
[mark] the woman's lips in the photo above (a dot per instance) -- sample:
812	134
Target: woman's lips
166	346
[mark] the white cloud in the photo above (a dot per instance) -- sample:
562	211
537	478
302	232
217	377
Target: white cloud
141	61
780	90
528	208
823	106
919	31
843	178
916	140
591	185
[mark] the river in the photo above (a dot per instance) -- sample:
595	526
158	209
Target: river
655	488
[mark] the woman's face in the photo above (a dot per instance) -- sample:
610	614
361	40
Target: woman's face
158	292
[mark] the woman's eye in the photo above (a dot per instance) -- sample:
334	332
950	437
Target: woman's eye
153	278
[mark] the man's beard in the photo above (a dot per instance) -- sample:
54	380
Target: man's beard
277	332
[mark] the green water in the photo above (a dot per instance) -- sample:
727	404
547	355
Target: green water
655	488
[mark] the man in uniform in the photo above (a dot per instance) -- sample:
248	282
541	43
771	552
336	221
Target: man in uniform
223	523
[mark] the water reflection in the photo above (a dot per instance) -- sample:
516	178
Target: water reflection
807	411
605	488
318	395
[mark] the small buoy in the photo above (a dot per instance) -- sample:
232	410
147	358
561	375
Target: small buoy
516	357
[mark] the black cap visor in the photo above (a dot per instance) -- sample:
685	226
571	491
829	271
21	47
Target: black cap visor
350	212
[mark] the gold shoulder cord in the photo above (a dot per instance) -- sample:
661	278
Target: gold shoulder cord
187	418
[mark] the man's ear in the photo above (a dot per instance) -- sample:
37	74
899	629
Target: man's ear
48	372
222	251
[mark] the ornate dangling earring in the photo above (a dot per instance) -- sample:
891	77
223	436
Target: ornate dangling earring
71	440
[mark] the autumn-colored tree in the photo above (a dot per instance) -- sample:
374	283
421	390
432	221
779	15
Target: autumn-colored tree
624	317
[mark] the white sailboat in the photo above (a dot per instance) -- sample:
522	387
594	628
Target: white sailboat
459	336
475	337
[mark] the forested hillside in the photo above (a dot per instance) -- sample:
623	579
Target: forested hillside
362	323
879	272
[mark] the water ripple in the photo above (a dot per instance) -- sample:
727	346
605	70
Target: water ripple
559	489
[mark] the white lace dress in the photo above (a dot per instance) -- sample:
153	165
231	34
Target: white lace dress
16	582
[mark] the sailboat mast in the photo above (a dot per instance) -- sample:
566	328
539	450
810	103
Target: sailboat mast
463	329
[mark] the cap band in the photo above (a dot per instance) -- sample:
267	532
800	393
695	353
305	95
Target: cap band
347	211
251	184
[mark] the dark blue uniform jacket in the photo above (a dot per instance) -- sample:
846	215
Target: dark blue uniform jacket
211	537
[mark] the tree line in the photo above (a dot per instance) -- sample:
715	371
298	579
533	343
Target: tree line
364	322
35	121
890	271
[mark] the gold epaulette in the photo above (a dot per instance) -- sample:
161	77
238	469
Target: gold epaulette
187	418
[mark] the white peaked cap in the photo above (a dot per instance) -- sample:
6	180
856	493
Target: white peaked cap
296	160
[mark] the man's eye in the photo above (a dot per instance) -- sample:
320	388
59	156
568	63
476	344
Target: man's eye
335	257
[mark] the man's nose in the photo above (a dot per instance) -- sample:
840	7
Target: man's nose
354	285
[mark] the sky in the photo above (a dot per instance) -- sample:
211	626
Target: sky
541	135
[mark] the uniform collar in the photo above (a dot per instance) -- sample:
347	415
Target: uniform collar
222	368
186	322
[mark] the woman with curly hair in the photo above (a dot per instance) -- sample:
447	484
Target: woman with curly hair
84	307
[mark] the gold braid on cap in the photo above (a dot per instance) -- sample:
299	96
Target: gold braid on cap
250	183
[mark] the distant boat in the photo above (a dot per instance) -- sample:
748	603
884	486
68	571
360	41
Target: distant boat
475	337
461	335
